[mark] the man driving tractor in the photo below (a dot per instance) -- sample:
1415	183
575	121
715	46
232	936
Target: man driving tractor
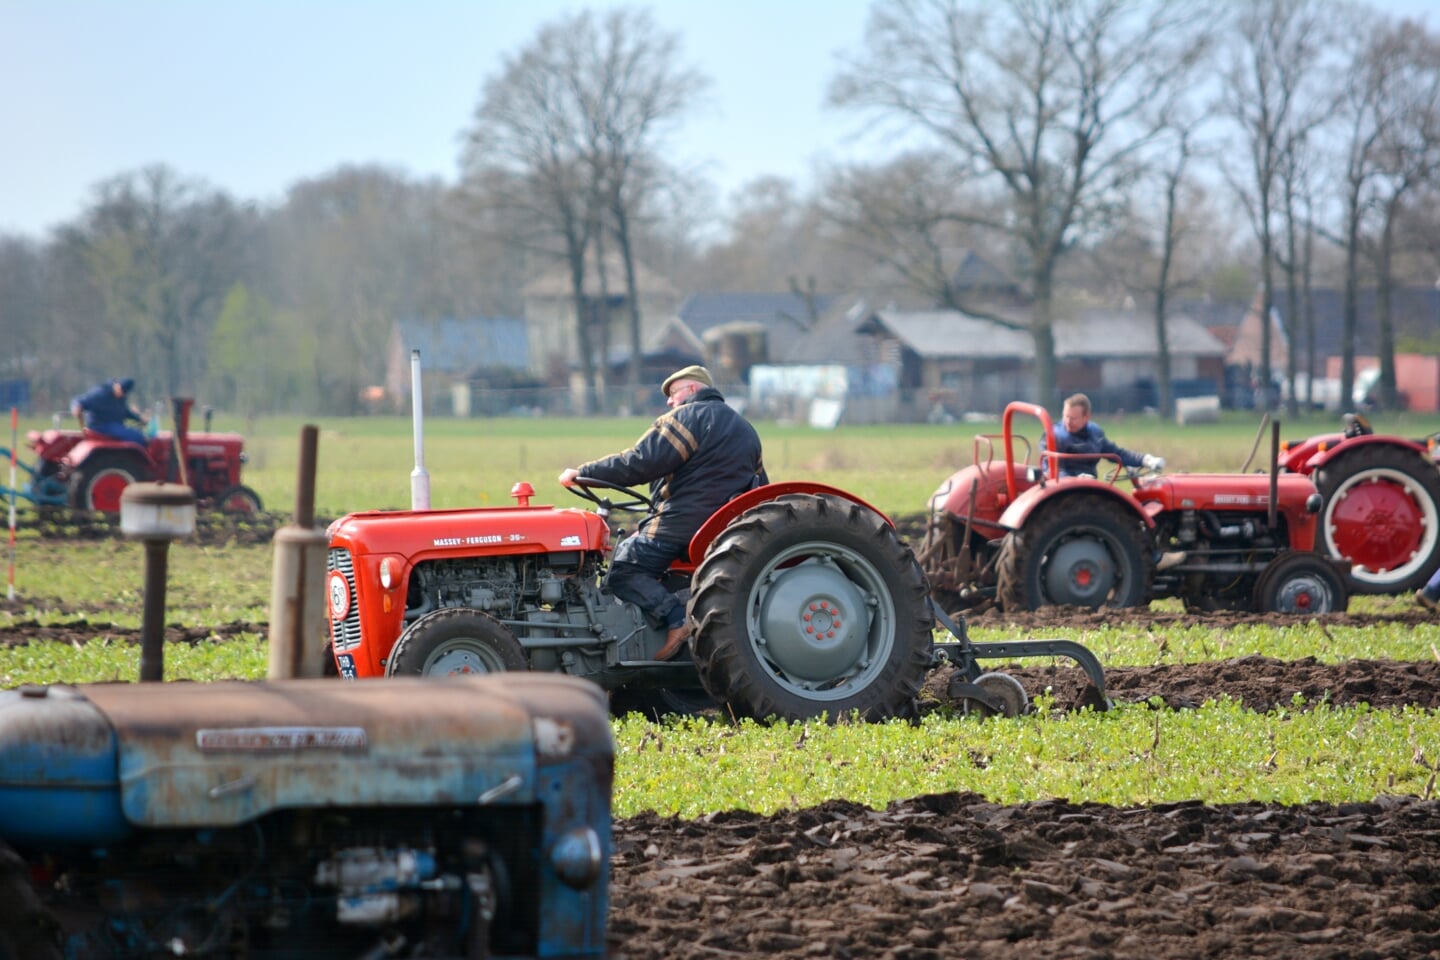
696	458
105	408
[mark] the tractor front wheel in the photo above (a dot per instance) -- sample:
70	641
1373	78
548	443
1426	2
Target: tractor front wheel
1302	584
239	501
455	641
809	604
1082	551
97	483
1382	515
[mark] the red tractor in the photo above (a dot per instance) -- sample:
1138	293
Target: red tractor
802	598
1017	532
88	470
1382	504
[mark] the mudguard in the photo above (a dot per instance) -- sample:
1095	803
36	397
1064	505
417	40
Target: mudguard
1026	503
721	518
1322	453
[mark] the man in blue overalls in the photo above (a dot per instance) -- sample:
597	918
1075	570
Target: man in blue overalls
106	408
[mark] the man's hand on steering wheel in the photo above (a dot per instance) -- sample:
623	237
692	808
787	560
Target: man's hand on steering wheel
636	501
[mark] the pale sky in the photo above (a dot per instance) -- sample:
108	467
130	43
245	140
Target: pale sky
250	96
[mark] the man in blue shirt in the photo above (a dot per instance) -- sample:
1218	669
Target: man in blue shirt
105	409
1077	434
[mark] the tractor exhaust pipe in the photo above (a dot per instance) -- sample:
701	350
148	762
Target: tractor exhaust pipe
297	586
1271	515
419	479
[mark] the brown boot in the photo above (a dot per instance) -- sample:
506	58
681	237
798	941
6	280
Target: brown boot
674	640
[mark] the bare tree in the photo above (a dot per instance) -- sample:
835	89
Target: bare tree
526	163
161	251
633	92
1172	181
1408	157
905	215
352	254
1296	191
1049	100
566	139
1268	95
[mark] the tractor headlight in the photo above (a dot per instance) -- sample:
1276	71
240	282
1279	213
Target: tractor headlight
1313	503
577	857
387	579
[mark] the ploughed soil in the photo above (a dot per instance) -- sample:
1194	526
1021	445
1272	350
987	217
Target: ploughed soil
954	875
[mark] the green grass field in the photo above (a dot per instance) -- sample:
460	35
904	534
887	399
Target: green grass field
365	462
1130	755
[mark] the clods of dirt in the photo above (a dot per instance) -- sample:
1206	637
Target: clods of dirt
953	875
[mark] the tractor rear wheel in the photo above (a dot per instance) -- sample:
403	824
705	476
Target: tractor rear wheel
809	604
239	501
1302	584
455	641
1382	515
97	483
1082	551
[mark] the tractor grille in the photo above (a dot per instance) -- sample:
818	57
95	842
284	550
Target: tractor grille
345	633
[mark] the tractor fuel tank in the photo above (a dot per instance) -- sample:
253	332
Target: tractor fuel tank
88	764
58	772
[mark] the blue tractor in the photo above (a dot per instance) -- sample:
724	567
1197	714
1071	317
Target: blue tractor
288	819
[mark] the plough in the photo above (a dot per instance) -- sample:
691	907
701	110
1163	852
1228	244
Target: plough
43	489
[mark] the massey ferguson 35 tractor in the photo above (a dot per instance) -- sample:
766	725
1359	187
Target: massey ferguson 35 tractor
1016	532
802	599
88	470
1382	504
305	819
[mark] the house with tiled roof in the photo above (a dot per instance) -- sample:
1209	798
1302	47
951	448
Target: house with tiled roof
550	316
458	356
968	363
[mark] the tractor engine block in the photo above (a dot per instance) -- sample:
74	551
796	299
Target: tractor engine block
507	587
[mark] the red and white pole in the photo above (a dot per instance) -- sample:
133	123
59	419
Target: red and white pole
14	442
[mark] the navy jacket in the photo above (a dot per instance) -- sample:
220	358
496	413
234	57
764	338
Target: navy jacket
696	457
102	406
1089	440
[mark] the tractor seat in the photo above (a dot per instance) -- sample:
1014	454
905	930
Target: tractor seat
95	436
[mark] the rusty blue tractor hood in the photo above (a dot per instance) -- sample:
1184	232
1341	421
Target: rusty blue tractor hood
118	755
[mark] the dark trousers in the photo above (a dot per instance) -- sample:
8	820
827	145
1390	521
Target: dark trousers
117	430
635	572
1432	589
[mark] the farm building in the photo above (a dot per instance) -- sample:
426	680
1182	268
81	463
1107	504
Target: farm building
472	365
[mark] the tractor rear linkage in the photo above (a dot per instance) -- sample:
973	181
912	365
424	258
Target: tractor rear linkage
964	654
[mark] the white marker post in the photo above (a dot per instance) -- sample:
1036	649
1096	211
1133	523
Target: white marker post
419	479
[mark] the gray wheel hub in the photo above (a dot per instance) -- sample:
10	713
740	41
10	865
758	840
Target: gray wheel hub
1079	572
460	658
1304	593
813	622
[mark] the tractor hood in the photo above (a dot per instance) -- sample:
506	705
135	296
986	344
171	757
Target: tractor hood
1226	491
219	754
511	530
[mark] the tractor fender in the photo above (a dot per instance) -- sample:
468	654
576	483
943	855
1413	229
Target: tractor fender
991	493
79	453
1026	503
1295	458
1342	446
721	518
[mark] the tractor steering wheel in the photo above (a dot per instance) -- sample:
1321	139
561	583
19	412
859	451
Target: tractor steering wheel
636	503
1356	425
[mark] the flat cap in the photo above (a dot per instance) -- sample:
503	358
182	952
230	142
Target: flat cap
695	372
